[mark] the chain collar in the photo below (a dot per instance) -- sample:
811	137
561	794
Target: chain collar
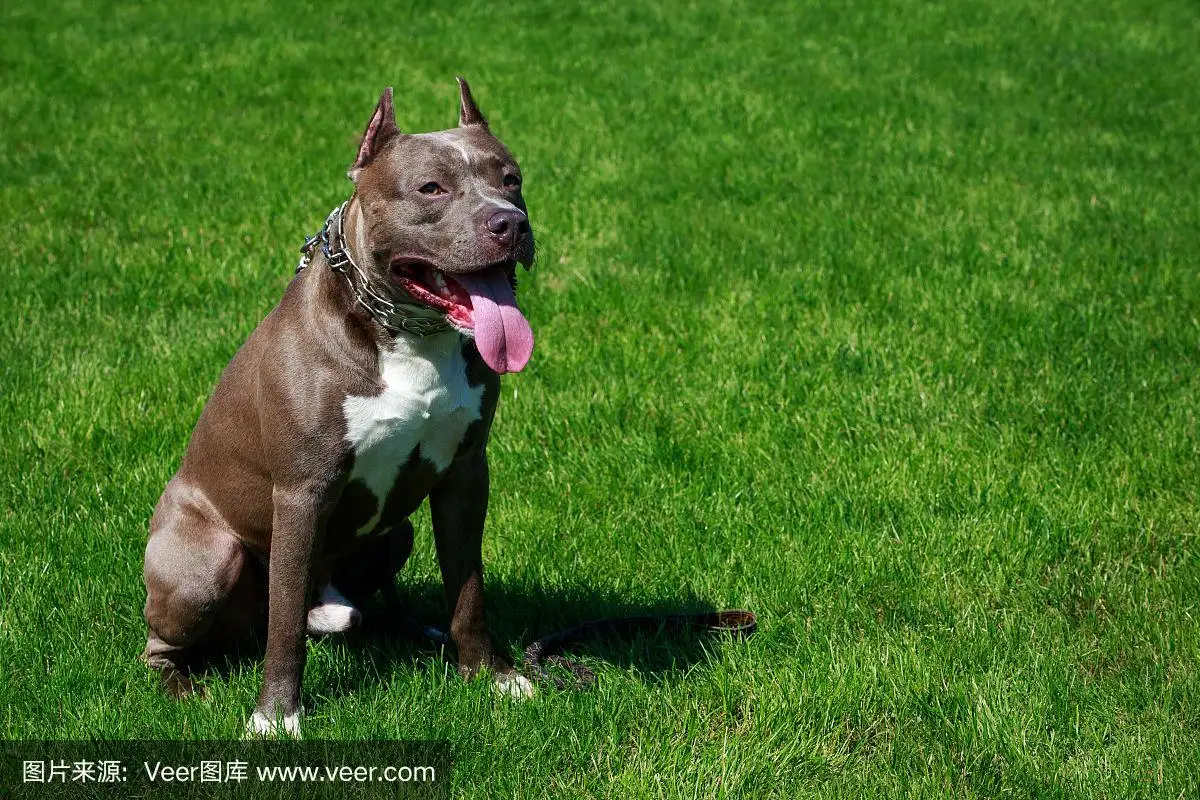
395	318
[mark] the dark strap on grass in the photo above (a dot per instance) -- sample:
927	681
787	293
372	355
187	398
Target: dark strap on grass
735	622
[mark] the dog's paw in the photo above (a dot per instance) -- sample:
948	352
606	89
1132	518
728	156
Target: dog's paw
333	614
261	726
513	684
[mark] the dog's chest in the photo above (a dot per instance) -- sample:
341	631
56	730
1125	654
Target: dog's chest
424	410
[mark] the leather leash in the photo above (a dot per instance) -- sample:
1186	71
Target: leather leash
734	622
546	650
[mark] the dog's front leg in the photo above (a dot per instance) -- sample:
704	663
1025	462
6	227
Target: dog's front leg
296	534
458	507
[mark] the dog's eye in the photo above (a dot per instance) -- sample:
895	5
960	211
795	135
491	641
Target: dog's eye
431	188
512	181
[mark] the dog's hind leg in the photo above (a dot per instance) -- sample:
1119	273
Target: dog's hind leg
201	592
366	567
369	565
394	553
333	613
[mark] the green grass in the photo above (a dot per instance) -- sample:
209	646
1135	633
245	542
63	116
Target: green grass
881	319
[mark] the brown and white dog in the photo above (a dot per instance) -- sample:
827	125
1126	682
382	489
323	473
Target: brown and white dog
369	387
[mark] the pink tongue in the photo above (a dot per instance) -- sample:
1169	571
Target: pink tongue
502	333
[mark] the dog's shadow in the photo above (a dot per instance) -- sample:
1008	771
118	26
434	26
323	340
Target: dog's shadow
390	636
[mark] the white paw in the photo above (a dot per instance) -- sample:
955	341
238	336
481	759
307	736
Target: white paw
260	725
332	614
513	684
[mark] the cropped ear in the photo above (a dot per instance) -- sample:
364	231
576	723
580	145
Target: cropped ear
468	112
380	130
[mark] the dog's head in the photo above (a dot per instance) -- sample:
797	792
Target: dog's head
445	223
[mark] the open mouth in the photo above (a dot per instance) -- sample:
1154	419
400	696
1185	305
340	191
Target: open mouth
432	287
482	303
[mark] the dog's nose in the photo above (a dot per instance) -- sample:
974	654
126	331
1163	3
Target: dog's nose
506	226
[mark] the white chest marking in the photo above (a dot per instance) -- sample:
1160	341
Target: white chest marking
426	402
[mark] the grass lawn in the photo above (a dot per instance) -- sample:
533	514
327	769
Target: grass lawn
881	319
